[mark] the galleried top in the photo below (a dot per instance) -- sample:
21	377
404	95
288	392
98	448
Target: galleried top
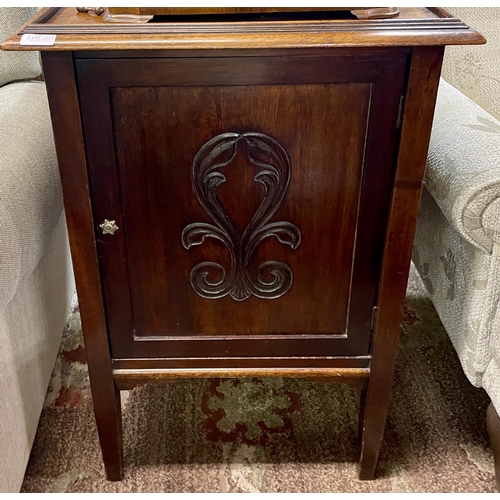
138	28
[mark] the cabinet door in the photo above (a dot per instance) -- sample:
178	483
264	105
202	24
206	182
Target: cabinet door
250	196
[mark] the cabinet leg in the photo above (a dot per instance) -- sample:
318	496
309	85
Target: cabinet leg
493	427
107	408
422	87
372	418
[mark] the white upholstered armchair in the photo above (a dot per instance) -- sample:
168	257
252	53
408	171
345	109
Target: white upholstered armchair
457	244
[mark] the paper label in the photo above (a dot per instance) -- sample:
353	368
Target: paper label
33	39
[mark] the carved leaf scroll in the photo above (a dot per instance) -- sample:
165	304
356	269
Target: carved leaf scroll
271	279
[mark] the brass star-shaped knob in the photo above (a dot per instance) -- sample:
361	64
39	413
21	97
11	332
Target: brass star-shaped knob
108	226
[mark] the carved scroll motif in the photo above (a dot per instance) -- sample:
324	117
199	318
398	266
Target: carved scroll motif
271	279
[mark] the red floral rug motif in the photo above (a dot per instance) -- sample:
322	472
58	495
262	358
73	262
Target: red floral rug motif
248	410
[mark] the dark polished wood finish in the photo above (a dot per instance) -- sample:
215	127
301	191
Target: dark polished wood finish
195	11
242	197
329	307
420	99
493	427
70	147
413	25
144	14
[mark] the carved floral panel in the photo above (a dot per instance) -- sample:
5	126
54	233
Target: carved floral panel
271	279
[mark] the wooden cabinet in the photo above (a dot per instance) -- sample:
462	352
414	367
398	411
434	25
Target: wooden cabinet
243	211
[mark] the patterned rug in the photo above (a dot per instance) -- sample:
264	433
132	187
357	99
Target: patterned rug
272	435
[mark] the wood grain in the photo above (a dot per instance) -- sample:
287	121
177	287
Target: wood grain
65	113
313	304
267	362
155	375
415	134
172	11
356	378
328	162
493	427
127	380
84	32
115	13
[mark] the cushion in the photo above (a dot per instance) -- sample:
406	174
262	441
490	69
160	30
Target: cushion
20	65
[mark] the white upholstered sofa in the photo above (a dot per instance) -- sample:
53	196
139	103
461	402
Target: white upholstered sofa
36	278
457	244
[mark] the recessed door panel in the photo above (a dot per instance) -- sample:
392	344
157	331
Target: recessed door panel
239	206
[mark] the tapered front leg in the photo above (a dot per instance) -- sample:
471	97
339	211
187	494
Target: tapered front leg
493	427
70	147
423	82
107	409
373	415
